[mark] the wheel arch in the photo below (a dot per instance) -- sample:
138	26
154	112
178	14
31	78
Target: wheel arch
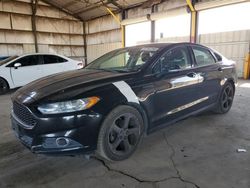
232	81
5	81
118	98
143	113
139	108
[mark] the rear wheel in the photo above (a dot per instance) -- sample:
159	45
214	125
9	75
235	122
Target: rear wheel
120	133
4	87
226	99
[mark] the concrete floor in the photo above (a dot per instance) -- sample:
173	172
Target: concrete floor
197	152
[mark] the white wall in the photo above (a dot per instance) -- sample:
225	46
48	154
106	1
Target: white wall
173	28
227	29
139	33
61	33
57	32
103	35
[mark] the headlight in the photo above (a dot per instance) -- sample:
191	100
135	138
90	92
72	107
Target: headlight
68	106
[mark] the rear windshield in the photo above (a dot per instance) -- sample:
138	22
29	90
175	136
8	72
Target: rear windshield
2	62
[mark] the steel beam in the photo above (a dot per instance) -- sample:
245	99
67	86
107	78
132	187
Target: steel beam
116	4
90	7
33	20
55	5
69	4
85	43
193	27
246	71
152	26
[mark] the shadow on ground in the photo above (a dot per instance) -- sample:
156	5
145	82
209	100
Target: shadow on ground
197	152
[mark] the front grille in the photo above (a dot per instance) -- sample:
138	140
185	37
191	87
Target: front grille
24	115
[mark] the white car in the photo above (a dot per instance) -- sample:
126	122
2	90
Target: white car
17	71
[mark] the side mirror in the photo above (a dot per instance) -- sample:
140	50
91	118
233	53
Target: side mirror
16	65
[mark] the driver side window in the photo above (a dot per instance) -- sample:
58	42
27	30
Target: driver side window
174	59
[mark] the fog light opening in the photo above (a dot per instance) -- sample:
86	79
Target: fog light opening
62	142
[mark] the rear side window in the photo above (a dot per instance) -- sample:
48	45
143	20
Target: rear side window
61	60
51	59
174	59
203	56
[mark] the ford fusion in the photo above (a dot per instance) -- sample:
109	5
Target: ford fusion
106	108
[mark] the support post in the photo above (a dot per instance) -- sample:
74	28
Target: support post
193	36
85	43
33	20
193	28
247	67
123	35
152	31
152	26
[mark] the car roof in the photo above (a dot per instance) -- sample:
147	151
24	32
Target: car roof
159	45
163	45
42	54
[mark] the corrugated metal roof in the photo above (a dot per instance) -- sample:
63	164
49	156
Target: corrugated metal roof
90	9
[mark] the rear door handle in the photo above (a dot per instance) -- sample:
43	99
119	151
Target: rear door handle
191	74
220	69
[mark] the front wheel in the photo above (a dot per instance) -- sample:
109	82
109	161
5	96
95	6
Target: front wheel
120	133
4	87
226	99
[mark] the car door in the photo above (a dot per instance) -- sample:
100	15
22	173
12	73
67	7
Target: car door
210	72
176	93
53	64
29	70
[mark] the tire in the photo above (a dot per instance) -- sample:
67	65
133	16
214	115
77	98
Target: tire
226	99
4	87
120	133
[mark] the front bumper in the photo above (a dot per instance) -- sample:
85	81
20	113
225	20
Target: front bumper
64	135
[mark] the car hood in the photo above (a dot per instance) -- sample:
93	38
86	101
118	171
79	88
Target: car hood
71	82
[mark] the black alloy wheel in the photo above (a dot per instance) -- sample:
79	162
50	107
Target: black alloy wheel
3	86
120	133
226	98
124	134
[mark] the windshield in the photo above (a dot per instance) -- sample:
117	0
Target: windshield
2	62
124	60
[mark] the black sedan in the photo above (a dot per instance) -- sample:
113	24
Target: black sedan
107	107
